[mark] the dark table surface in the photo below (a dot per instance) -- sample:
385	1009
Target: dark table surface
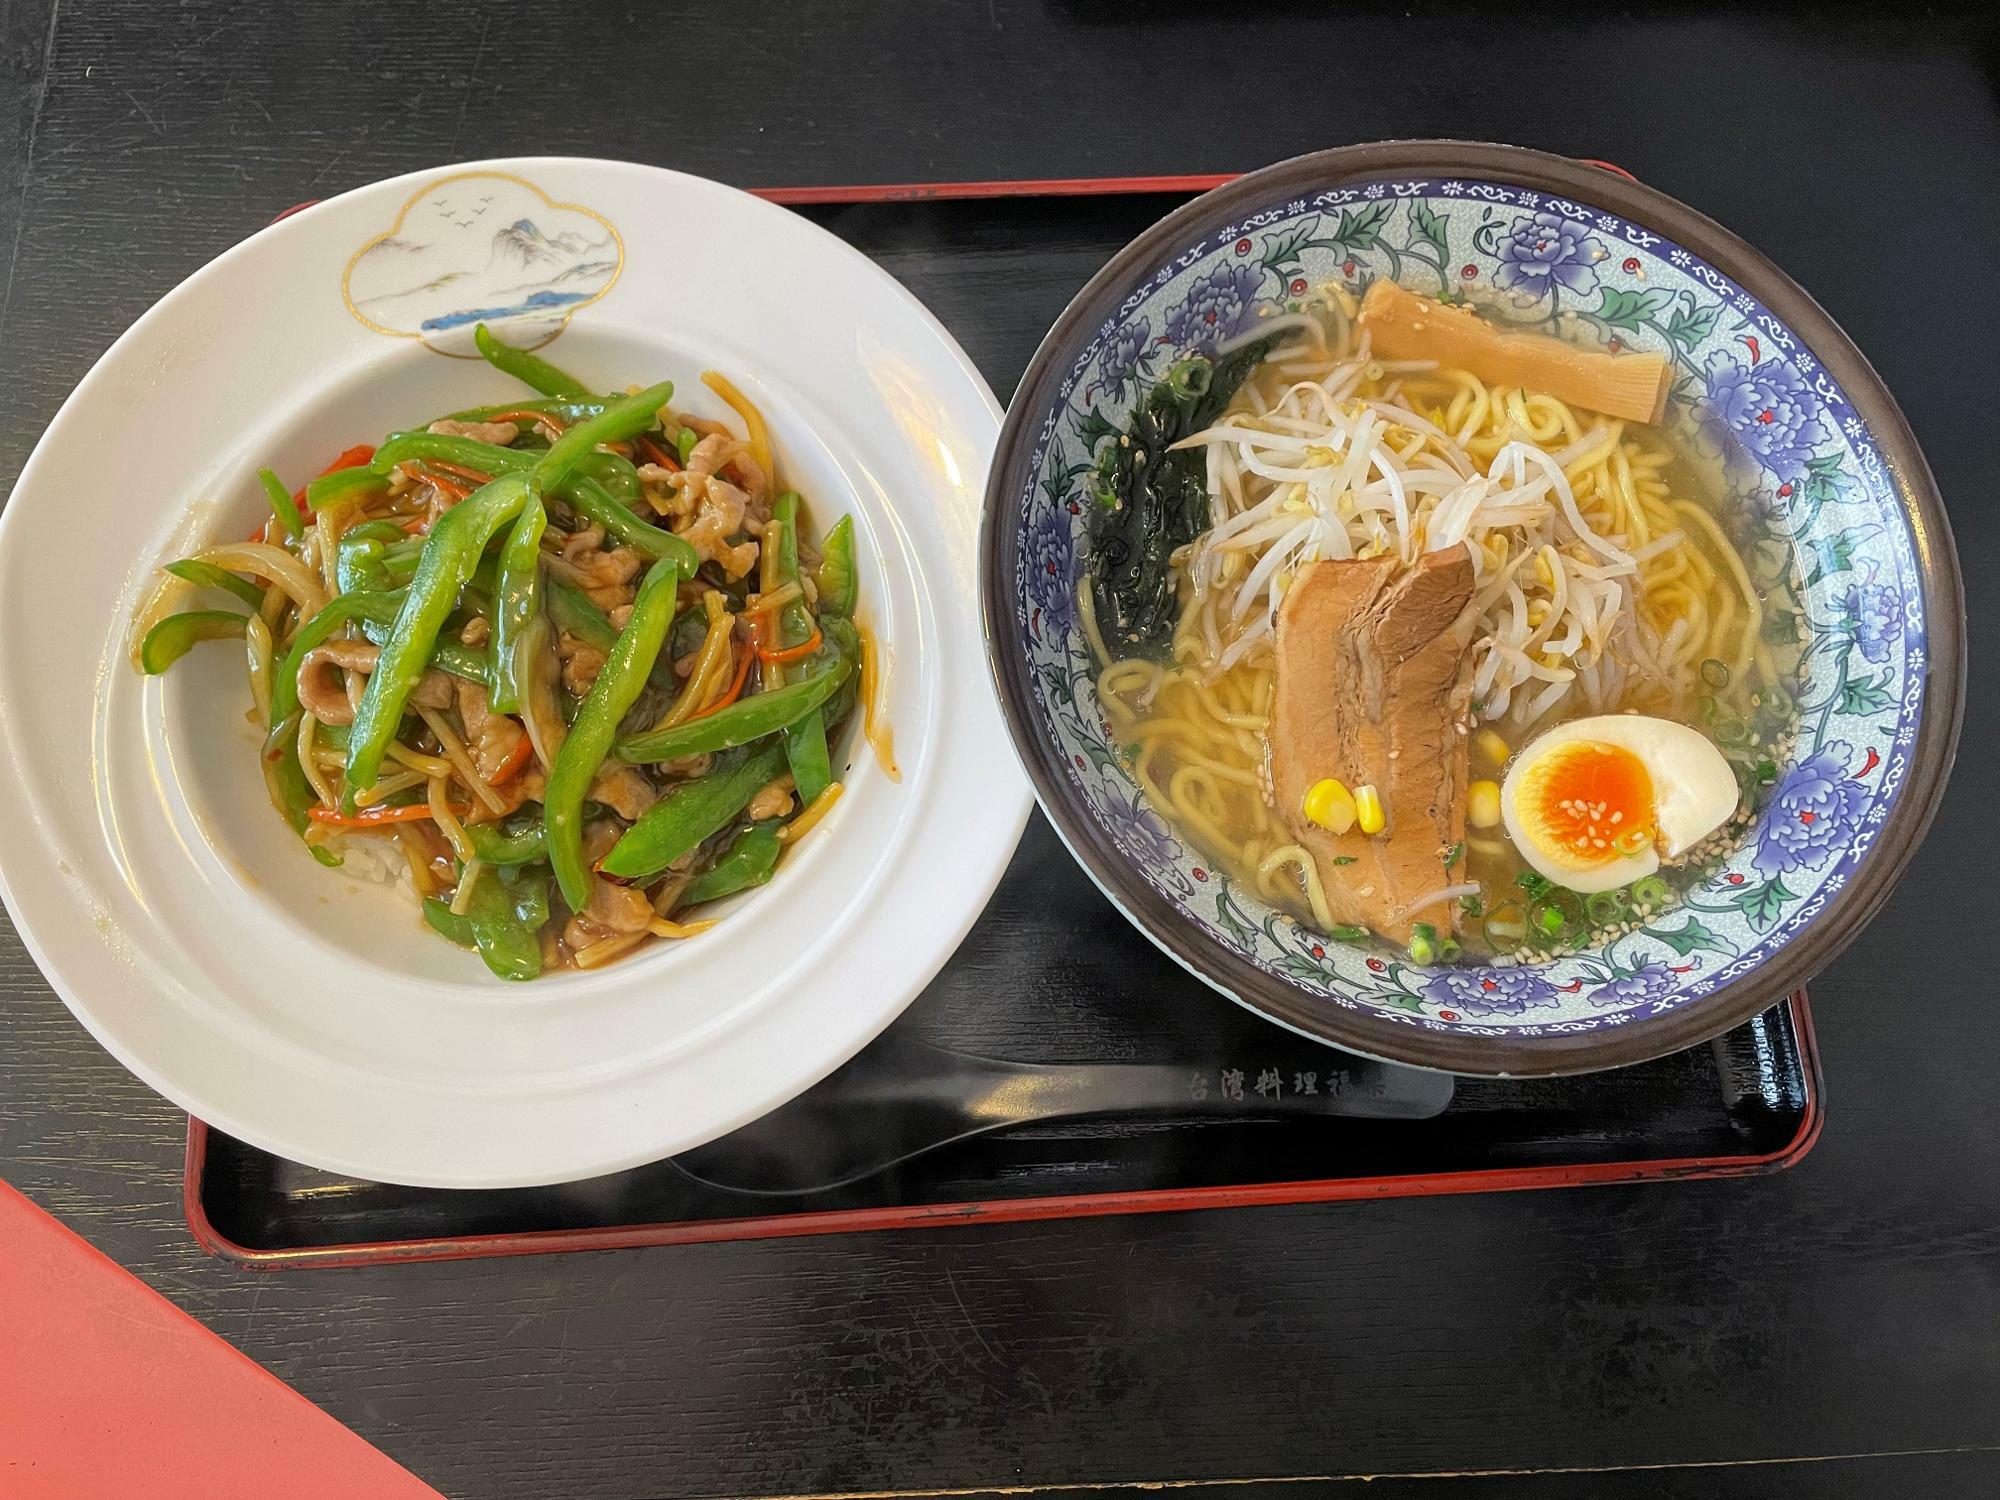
1678	1339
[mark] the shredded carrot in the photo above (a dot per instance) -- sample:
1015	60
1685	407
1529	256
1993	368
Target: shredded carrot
423	474
556	425
470	476
802	650
376	816
735	688
516	759
657	455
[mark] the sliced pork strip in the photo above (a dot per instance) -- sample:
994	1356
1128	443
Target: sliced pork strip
1373	684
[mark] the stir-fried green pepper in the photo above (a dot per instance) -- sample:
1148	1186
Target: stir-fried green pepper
805	736
743	721
616	476
615	424
691	812
283	511
342	484
361	556
451	552
749	860
572	610
530	369
209	576
584	493
618	685
836	579
503	919
567	409
171	639
517	602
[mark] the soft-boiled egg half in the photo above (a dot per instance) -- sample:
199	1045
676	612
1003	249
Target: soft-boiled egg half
1597	803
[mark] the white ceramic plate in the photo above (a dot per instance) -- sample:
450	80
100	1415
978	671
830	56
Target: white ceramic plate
312	1013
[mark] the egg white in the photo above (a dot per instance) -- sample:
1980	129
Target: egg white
1694	792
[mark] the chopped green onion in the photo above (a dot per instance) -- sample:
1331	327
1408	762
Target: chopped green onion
1454	854
1347	933
1715	673
1547	919
1423	943
1650	892
1472	906
1449	951
1341	859
1733	732
1533	886
1766	771
1602	908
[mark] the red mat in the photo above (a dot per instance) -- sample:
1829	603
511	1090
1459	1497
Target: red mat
110	1392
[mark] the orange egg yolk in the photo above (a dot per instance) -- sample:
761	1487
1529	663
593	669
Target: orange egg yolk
1586	803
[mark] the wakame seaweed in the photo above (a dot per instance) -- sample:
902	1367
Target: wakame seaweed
1152	501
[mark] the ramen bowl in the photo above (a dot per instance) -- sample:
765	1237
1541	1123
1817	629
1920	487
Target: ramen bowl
1825	482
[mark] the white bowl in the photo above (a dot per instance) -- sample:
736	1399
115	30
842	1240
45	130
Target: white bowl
313	1014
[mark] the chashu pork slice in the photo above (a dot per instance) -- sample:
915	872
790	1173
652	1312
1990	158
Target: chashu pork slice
1374	682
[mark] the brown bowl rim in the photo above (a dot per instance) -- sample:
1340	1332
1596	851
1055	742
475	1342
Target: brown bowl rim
1163	920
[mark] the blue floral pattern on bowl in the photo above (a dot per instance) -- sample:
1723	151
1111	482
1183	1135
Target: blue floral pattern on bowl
1802	461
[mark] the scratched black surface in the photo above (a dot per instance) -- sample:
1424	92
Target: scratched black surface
1849	1306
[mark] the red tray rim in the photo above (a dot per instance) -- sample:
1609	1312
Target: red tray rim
1019	1210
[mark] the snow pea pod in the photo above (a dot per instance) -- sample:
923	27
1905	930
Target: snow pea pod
748	861
497	846
503	919
838	583
691	812
451	552
530	369
743	721
805	736
175	636
618	685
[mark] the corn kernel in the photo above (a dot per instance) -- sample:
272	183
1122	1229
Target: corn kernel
1368	814
1490	748
1330	805
1482	804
